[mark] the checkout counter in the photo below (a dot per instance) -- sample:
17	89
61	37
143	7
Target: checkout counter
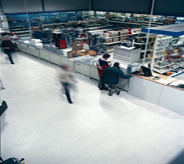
158	91
155	91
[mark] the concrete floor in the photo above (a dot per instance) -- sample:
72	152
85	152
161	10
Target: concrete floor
42	127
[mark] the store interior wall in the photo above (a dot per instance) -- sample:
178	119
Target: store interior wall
162	7
169	7
18	6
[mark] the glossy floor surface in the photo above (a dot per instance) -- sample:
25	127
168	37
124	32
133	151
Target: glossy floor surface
42	127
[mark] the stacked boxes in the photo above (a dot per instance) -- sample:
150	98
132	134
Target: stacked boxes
72	54
108	40
123	39
113	33
116	39
77	46
123	32
107	34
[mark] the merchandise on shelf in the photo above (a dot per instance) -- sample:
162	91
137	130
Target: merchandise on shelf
169	55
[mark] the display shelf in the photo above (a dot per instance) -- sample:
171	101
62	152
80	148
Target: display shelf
176	74
161	67
143	43
147	58
161	71
169	46
174	54
164	39
112	43
159	56
110	50
119	36
151	49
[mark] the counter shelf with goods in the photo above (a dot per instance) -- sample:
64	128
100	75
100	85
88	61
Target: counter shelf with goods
120	36
168	53
142	43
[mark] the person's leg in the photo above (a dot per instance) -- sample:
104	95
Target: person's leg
101	85
113	88
67	93
10	57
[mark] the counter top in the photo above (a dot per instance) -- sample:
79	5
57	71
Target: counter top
53	49
164	80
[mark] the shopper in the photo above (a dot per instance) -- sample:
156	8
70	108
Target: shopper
8	47
102	64
111	78
67	77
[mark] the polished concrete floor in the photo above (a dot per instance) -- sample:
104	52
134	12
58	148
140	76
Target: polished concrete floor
42	127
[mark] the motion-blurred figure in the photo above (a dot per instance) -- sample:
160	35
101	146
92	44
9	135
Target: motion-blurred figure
8	47
67	77
111	78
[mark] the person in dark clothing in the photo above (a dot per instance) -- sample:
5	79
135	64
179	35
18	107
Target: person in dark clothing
8	48
111	78
102	64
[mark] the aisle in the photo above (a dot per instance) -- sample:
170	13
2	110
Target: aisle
41	126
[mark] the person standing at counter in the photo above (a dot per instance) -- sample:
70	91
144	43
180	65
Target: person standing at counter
66	77
8	47
111	78
102	64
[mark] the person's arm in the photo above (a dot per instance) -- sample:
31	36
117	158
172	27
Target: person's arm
122	75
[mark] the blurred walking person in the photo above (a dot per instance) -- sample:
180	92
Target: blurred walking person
8	47
67	78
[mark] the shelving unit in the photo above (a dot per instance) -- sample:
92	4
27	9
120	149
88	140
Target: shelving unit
112	43
121	36
165	36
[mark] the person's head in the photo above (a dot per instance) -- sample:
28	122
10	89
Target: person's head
116	65
106	56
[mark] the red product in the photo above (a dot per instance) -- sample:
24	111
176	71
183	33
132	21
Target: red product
62	43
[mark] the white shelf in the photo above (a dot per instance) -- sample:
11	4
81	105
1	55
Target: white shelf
168	46
163	66
160	71
146	58
143	43
119	36
110	50
177	73
113	43
147	50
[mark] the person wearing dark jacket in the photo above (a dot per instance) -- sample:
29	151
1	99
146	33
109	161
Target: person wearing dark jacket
111	78
8	48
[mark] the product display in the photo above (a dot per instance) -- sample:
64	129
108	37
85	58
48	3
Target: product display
169	55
